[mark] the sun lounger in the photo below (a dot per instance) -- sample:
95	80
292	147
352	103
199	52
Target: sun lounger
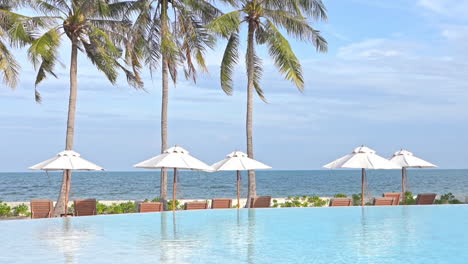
397	197
196	205
384	201
85	207
341	202
150	207
41	208
260	202
221	203
425	198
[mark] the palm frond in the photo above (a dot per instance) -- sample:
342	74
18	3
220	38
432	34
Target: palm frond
230	59
298	27
314	8
195	40
50	7
202	9
102	52
43	54
226	24
283	55
258	72
9	68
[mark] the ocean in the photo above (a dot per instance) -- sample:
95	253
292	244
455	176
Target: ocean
139	185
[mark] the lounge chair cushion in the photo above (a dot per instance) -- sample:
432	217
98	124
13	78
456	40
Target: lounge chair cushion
221	203
85	207
196	205
41	208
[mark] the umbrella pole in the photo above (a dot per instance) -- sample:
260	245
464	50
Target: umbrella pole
238	188
174	190
363	180
403	181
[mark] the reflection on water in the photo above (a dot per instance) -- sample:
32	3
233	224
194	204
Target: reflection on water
251	236
65	238
388	235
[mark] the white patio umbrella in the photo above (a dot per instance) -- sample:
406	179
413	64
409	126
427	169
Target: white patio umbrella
406	159
174	158
362	158
67	161
238	161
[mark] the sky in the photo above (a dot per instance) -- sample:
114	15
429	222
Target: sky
395	76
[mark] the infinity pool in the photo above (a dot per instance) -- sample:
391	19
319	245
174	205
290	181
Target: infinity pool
399	234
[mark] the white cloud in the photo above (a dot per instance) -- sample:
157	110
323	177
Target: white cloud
456	33
375	49
453	8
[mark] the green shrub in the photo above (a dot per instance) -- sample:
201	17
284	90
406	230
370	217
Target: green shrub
156	200
356	199
301	201
340	195
447	198
128	207
101	208
408	199
275	203
178	205
114	208
317	201
21	210
71	209
5	209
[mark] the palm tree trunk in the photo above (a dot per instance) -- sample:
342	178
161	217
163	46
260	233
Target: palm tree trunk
363	183
249	122
164	103
62	201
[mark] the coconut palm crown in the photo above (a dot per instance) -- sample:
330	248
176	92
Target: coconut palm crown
16	30
170	35
266	21
95	27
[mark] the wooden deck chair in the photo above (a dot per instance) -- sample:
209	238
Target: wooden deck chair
384	201
41	208
221	203
397	197
260	202
85	207
196	205
341	202
150	207
425	198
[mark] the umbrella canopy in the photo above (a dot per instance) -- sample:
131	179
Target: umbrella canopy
174	158
67	160
406	159
362	158
238	161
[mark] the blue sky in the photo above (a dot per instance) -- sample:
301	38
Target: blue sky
395	76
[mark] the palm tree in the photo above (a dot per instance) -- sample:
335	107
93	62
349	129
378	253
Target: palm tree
170	34
264	20
96	28
15	31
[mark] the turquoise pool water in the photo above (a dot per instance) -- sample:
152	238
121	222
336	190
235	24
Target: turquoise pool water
400	234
